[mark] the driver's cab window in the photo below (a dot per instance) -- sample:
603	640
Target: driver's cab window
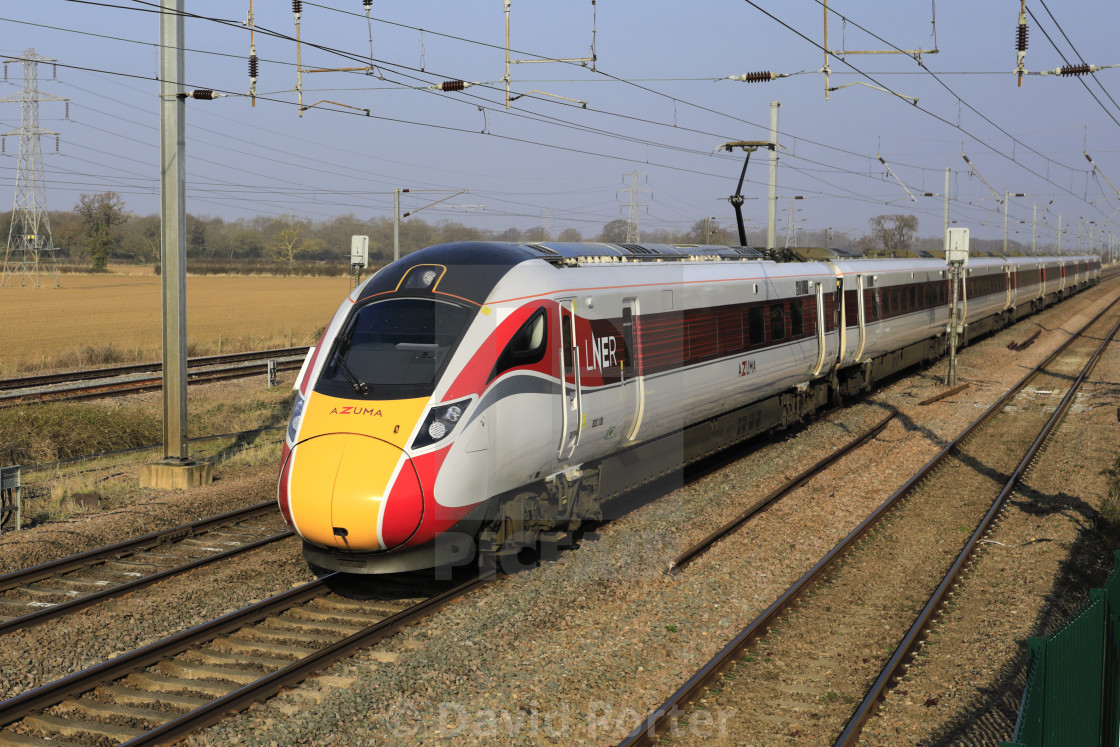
527	345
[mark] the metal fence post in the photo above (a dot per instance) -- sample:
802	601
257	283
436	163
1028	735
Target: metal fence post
11	498
1110	691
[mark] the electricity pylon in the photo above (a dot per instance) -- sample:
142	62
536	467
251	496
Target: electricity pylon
29	238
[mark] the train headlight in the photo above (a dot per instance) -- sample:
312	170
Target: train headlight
296	419
440	421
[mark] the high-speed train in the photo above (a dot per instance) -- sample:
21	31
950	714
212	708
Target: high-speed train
476	398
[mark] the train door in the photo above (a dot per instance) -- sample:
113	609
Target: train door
571	405
860	316
820	330
633	383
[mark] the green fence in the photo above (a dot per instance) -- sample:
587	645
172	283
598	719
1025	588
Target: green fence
1071	693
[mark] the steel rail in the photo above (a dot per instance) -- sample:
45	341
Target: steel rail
297	671
762	504
647	732
55	692
906	650
27	382
143	542
115	389
62	609
268	685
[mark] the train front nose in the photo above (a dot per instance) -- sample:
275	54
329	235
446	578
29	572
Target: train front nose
353	492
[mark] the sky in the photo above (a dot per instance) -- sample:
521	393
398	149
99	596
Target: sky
655	102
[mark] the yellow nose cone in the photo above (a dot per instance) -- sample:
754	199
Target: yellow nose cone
353	492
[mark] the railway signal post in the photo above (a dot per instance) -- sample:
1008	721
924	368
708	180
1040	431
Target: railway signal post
956	255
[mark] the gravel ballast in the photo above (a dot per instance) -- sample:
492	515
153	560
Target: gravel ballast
579	649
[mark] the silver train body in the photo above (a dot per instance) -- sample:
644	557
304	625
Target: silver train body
488	396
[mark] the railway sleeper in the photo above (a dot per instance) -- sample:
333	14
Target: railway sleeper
194	671
71	728
161	683
212	656
89	708
163	701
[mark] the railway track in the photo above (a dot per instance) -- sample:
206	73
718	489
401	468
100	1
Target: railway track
133	379
35	595
161	692
818	661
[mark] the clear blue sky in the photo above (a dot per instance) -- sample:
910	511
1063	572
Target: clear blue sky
653	104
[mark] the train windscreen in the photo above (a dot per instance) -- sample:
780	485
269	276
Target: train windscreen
393	349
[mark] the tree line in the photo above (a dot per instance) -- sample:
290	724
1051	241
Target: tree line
101	229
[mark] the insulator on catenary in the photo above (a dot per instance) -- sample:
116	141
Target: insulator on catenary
760	77
297	6
368	5
1021	37
1076	70
451	85
253	66
202	94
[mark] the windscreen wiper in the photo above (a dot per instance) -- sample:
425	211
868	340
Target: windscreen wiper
340	365
359	386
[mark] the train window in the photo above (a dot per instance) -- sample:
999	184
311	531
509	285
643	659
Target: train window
393	349
729	328
876	305
701	336
913	297
756	324
777	321
628	353
796	318
851	310
566	345
527	345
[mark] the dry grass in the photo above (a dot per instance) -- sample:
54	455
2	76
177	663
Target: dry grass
105	319
41	433
45	433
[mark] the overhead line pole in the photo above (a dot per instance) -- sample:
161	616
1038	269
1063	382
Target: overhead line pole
173	208
176	470
945	236
772	202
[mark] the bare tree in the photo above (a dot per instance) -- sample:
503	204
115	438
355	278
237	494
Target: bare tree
894	232
289	241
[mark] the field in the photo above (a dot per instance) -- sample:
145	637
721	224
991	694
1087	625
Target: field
115	317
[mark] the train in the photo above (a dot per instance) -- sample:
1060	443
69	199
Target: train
474	399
